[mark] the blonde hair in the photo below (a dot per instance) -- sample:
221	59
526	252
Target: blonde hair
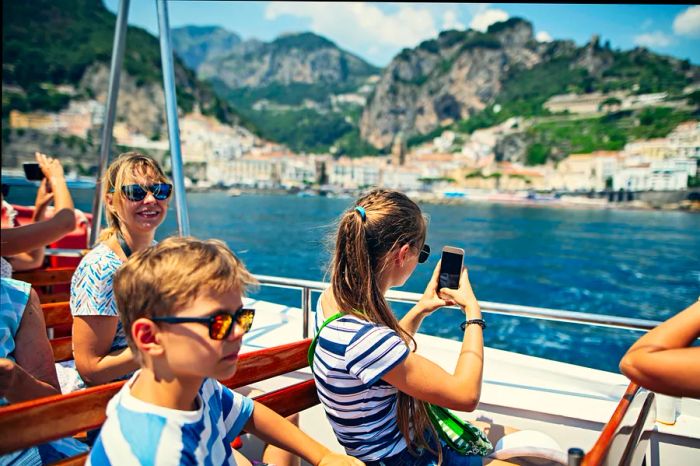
124	166
161	279
363	244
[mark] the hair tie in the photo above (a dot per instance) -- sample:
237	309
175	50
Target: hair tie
361	210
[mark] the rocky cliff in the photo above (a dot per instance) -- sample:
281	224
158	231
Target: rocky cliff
459	74
197	44
445	80
295	58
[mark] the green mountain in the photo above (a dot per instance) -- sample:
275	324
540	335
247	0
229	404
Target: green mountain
47	43
286	88
197	44
471	79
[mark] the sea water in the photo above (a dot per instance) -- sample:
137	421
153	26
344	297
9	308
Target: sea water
641	264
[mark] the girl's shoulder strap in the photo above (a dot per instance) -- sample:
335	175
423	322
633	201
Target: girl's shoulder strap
314	342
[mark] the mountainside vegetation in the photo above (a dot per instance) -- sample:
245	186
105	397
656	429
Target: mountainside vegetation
47	43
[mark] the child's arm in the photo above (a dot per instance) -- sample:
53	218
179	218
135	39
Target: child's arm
273	428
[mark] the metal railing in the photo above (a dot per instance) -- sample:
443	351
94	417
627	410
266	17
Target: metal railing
308	286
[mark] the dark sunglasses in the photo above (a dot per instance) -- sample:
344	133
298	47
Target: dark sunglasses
424	254
220	324
5	189
136	192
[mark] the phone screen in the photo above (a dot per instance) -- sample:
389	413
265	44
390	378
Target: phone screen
32	171
450	269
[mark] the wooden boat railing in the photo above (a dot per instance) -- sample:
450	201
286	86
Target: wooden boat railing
38	421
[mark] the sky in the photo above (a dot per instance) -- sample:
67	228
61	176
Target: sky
378	31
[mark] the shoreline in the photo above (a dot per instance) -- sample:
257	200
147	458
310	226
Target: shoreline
582	204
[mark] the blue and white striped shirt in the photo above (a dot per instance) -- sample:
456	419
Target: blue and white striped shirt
139	433
352	356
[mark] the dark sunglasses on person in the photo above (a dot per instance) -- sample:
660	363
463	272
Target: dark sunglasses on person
137	192
424	254
220	324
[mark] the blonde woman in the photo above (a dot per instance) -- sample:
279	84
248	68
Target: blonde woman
136	193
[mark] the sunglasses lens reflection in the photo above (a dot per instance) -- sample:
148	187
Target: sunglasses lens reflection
245	318
220	326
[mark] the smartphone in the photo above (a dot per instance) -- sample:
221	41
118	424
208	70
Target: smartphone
450	267
32	171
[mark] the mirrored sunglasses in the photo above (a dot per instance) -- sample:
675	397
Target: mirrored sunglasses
136	192
424	254
220	324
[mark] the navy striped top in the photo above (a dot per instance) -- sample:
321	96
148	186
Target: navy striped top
352	356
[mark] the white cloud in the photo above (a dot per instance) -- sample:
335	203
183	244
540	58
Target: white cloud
688	22
653	39
450	20
543	36
360	25
483	19
647	23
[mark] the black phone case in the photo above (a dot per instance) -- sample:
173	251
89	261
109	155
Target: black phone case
33	172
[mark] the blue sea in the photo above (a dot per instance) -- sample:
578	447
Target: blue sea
642	264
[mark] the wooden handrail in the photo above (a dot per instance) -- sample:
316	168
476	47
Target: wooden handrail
38	421
44	277
596	455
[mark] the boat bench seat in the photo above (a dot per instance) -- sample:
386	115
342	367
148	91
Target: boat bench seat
39	421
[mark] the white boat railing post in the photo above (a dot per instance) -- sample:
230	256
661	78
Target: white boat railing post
306	308
166	56
110	111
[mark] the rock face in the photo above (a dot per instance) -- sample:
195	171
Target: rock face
197	44
296	58
446	79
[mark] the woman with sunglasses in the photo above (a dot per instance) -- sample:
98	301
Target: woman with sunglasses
372	384
136	193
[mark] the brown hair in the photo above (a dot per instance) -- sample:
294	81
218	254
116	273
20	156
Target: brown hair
161	279
362	246
125	165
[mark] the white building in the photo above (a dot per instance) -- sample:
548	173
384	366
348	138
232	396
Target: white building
667	175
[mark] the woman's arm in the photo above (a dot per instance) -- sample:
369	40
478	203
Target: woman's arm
425	380
29	237
428	303
273	428
34	374
92	341
661	360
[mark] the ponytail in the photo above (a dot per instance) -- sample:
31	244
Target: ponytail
381	221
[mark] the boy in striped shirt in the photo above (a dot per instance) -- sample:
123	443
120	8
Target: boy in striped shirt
182	303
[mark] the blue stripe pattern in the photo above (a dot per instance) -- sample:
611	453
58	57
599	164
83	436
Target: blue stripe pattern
351	357
137	432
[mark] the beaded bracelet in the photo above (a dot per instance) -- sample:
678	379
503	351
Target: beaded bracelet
480	322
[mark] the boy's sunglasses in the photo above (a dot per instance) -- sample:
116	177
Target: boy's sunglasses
424	254
136	192
220	324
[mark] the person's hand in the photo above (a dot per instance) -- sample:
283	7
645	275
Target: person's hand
463	296
43	195
51	167
339	459
431	301
7	375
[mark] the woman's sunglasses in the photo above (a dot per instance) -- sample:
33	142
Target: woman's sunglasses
136	192
424	254
220	324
